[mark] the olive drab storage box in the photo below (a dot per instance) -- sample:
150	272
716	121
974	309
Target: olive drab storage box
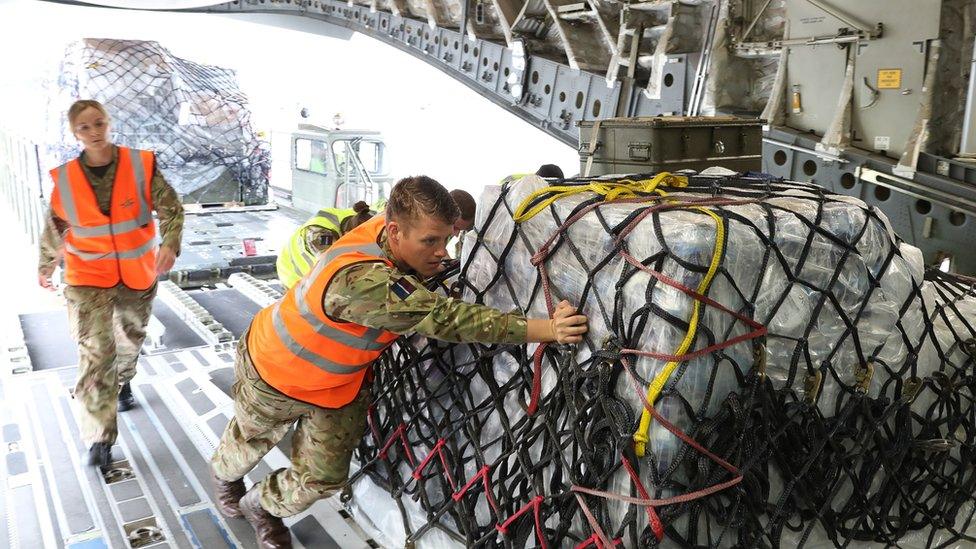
669	143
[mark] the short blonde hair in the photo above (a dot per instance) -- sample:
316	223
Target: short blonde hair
80	105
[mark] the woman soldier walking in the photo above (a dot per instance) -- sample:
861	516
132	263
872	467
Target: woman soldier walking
100	223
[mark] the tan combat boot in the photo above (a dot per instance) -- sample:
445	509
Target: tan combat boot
271	531
228	495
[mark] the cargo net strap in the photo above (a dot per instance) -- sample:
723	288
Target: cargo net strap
766	366
193	116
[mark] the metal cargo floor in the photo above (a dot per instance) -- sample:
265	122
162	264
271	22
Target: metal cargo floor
213	242
157	492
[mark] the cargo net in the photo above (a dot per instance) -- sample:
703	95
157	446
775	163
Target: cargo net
766	366
193	116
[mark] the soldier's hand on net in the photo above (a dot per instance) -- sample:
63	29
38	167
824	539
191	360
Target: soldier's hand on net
567	326
44	279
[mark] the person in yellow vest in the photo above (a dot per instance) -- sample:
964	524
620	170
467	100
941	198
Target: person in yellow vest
308	356
314	237
100	223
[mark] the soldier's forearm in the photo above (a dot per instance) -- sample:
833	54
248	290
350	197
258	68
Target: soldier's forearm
170	211
46	263
539	330
51	243
48	258
456	321
172	238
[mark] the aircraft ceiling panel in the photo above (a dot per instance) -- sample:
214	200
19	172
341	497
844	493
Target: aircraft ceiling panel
153	4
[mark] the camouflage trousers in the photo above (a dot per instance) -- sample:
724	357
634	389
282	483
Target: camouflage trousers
109	325
321	448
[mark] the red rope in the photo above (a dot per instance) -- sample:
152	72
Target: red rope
536	379
652	517
399	432
540	350
389	441
534	504
418	472
599	537
594	540
483	475
438	450
683	498
447	470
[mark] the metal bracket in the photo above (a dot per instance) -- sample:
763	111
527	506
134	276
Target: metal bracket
910	389
848	20
811	387
863	376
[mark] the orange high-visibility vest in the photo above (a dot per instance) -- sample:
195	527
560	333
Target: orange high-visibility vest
102	250
297	349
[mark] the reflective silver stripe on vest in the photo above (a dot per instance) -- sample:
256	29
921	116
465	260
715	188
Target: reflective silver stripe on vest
127	254
369	249
370	340
67	198
309	258
303	353
71	209
306	283
135	158
296	270
105	230
332	253
330	216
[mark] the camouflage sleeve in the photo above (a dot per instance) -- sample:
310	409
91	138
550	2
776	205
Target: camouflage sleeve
319	238
167	204
52	242
377	296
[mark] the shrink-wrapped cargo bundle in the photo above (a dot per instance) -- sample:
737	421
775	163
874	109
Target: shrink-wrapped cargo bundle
766	365
193	116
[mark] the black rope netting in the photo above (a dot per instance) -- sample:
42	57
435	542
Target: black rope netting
815	387
193	116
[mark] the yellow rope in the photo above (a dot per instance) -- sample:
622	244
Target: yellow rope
641	437
609	190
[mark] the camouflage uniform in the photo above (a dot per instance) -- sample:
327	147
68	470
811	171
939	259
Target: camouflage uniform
109	324
369	294
319	238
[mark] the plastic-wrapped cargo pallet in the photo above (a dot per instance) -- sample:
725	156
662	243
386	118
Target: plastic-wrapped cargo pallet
766	366
193	116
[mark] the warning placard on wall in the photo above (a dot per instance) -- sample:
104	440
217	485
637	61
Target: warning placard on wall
889	79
